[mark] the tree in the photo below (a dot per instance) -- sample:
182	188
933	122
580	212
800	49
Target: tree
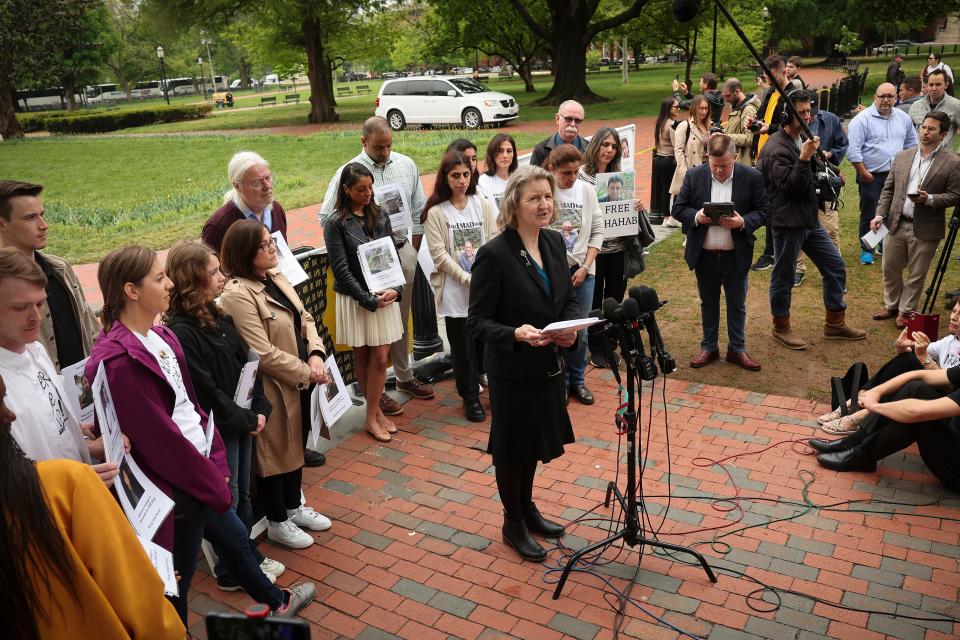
479	24
33	36
132	55
309	25
656	28
569	29
80	62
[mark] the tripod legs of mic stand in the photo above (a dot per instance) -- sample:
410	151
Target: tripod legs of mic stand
629	535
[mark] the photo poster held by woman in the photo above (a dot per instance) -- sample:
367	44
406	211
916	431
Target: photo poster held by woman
615	193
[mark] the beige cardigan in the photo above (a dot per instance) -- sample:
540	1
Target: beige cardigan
442	252
267	328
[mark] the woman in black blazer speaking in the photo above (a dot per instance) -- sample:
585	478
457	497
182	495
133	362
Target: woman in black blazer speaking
521	283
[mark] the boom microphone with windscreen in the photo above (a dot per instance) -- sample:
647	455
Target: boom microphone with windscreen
685	10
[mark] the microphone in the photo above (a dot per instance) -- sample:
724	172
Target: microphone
610	309
685	10
648	301
602	333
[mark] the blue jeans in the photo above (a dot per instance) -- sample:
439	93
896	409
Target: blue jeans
787	243
188	519
715	270
577	359
238	450
869	197
237	552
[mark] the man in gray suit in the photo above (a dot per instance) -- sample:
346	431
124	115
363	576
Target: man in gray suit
923	183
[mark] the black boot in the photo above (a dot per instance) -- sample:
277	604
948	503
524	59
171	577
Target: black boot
516	535
828	446
536	523
847	460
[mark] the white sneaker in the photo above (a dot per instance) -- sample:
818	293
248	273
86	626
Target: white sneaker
671	222
306	517
272	568
289	534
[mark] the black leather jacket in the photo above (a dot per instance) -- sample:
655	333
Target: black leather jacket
343	237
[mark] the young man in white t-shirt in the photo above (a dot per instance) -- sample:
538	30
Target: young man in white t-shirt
46	427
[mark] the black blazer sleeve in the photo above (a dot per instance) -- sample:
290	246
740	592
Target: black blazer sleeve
486	287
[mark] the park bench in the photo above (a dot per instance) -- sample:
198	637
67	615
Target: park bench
268	100
344	91
363	89
504	74
291	97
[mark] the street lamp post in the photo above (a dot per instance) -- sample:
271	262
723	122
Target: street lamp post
202	78
163	74
213	78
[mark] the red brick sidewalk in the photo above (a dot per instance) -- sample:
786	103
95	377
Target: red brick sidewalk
415	551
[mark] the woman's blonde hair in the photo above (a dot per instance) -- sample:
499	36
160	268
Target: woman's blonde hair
511	196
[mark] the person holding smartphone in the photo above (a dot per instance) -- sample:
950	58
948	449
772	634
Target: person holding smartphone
923	183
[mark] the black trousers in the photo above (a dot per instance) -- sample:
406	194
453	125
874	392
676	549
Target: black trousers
937	440
463	351
608	280
900	363
515	486
663	170
278	493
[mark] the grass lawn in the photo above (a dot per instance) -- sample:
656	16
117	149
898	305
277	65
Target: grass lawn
804	374
102	192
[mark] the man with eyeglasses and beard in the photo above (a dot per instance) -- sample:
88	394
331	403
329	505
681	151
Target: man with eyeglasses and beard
250	198
876	135
569	120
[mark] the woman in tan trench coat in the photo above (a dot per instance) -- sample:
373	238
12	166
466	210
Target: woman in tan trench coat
271	319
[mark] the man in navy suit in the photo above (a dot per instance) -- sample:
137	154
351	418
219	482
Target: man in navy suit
720	254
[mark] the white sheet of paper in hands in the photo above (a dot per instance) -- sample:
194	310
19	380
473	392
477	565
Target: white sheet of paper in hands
872	238
289	265
565	325
162	561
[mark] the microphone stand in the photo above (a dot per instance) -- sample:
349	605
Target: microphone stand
632	529
804	129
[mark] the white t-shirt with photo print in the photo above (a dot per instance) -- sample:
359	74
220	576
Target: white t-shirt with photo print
492	188
45	428
184	413
463	226
578	205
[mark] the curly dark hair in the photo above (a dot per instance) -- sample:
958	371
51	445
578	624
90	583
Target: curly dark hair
187	267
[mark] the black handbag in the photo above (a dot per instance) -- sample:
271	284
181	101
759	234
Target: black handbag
848	386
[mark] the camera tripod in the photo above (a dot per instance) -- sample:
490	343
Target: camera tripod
934	289
632	531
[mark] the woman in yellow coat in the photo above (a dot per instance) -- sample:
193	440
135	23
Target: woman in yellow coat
72	566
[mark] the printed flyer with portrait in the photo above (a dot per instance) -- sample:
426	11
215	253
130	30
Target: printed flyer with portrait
380	264
615	195
289	265
79	391
393	201
328	403
628	136
243	396
144	503
569	221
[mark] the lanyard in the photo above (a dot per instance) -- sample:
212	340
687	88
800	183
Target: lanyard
921	173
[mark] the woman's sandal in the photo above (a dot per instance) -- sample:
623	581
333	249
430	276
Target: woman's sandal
380	436
829	417
841	426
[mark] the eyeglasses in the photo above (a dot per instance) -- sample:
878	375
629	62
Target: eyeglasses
572	120
260	183
885	96
269	246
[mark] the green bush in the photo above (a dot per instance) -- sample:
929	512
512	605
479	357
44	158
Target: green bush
103	121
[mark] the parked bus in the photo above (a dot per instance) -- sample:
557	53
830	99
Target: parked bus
43	99
104	92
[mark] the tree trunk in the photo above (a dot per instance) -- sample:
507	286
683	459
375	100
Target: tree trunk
527	75
691	54
69	85
322	104
9	126
570	68
245	74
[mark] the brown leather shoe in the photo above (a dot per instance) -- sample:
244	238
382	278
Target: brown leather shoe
416	388
389	406
741	359
902	318
885	314
705	358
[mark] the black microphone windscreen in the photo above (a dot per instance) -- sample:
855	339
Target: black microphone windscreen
646	297
631	310
609	308
685	10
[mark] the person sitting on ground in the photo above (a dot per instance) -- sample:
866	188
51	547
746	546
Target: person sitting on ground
250	198
920	407
72	565
914	352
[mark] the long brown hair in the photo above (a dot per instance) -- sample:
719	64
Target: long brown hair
131	263
592	151
187	267
441	186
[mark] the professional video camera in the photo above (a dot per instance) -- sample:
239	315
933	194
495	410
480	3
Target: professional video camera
829	183
756	125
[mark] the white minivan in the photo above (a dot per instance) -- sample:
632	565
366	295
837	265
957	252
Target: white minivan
443	100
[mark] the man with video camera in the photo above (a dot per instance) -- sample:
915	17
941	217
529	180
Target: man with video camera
791	170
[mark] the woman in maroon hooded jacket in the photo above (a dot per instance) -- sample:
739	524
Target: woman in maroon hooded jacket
158	411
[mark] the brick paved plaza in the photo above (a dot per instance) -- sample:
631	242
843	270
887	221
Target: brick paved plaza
415	550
